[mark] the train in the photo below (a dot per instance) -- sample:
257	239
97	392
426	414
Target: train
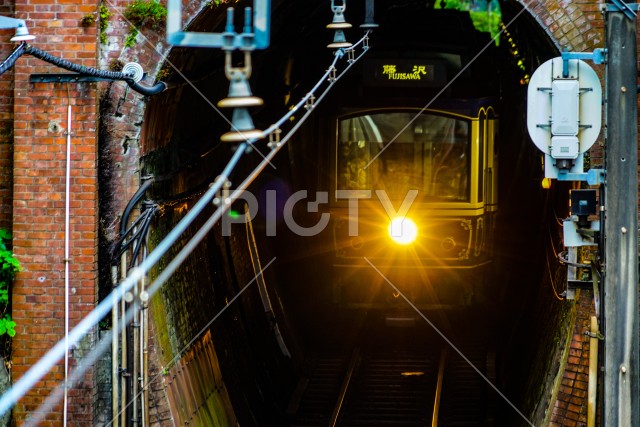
407	148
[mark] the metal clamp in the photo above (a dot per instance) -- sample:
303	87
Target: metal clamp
597	335
629	9
256	39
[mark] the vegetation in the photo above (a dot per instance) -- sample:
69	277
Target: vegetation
104	22
9	266
88	20
486	16
143	13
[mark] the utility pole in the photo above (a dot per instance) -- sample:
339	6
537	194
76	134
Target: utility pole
621	374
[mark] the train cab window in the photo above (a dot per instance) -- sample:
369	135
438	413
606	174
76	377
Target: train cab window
399	151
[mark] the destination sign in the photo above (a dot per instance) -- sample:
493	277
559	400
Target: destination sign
405	72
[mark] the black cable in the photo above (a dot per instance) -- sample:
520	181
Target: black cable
81	69
12	58
146	225
89	71
134	200
123	244
147	91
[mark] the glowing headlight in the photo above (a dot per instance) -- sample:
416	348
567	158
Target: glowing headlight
402	230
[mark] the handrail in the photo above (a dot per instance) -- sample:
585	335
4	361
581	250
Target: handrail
438	395
353	364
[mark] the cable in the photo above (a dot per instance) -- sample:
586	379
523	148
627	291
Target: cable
35	373
134	200
12	58
81	69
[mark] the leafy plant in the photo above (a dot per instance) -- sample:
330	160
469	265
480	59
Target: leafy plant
130	40
88	20
7	326
141	13
9	266
104	22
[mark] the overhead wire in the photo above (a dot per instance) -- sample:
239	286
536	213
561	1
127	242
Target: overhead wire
204	230
35	373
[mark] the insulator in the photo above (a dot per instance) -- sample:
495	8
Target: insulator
242	128
239	93
339	41
22	34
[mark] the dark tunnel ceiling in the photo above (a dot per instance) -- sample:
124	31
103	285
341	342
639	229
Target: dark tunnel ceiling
298	31
301	26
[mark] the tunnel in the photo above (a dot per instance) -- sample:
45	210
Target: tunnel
260	325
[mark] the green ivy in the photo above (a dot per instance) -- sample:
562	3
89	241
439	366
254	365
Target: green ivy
104	22
130	40
9	266
7	326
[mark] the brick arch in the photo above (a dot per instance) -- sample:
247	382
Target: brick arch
577	26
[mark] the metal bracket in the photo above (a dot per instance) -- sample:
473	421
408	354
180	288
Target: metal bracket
274	138
310	102
591	177
598	56
65	78
629	9
258	39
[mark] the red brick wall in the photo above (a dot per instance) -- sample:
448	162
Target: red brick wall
6	127
40	127
570	409
32	200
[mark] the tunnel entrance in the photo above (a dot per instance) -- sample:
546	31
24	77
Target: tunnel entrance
319	337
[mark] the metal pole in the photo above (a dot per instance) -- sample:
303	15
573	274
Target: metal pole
621	397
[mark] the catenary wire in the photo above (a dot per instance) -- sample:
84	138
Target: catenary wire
204	230
26	382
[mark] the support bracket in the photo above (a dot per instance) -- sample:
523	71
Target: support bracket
629	9
591	177
247	40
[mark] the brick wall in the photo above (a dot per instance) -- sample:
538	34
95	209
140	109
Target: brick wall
6	127
32	200
570	408
40	129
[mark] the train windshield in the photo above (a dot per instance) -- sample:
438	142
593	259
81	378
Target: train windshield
399	151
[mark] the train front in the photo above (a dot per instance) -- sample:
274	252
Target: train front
414	206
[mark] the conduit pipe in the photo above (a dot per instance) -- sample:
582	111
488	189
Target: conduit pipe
123	347
145	347
114	352
66	267
593	372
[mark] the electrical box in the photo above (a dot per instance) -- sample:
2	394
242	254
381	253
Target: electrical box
565	147
565	101
583	202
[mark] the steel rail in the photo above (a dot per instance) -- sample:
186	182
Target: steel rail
353	365
438	394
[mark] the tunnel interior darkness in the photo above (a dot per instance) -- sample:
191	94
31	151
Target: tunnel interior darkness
266	339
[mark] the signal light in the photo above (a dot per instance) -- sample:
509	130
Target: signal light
403	230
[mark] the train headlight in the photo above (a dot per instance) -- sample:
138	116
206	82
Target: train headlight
403	230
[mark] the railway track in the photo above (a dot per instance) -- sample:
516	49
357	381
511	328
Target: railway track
403	387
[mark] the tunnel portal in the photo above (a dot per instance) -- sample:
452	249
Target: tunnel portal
269	324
